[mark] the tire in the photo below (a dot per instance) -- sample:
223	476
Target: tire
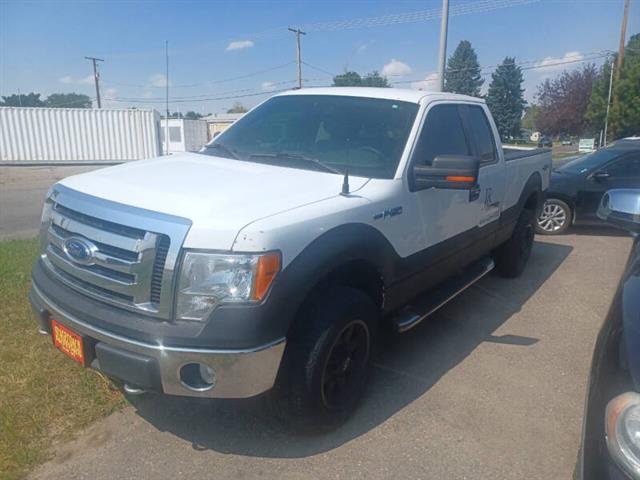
511	257
327	361
555	217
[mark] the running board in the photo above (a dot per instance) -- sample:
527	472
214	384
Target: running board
424	306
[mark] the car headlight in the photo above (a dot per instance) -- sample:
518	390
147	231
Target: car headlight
209	279
623	432
45	220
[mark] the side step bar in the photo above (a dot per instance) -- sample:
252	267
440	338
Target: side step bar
424	306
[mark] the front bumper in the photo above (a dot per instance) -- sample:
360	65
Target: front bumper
239	373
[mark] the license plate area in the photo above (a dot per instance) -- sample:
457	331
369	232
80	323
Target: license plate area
69	342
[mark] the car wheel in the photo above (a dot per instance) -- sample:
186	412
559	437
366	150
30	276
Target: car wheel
327	360
511	257
554	218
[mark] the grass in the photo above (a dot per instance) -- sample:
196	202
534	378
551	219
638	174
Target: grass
44	396
560	155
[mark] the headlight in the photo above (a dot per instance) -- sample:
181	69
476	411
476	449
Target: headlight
623	432
209	279
45	220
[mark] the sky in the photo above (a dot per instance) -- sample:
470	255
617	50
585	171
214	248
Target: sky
222	52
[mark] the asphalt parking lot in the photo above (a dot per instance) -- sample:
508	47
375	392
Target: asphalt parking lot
491	387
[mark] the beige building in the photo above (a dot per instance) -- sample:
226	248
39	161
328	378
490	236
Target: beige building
219	122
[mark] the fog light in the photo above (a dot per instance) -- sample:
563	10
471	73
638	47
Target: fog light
197	376
207	374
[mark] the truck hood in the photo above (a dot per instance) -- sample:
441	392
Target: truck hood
220	196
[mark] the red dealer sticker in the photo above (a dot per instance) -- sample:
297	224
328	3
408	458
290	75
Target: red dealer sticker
67	341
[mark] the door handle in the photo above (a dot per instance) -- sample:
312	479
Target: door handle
545	167
474	193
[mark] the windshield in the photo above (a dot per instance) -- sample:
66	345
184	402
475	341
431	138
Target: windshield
589	162
365	136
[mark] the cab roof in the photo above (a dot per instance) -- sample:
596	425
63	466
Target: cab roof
399	94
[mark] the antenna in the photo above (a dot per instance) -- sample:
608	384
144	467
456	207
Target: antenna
345	183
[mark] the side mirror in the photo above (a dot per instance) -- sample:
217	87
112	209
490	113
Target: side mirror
600	176
621	207
457	172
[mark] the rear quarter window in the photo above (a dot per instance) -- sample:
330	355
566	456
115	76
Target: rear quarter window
480	132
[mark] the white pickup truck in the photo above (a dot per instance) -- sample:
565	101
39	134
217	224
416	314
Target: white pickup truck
270	261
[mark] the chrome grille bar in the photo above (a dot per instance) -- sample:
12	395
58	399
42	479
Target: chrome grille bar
133	251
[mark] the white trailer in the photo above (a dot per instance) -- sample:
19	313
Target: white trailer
184	135
61	135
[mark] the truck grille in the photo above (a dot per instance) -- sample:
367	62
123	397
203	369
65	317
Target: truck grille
125	265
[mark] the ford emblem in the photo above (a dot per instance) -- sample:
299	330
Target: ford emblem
80	250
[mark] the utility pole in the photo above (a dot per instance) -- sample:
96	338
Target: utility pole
623	35
606	117
166	122
442	58
298	32
96	77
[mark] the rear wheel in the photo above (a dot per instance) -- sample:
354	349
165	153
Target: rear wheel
511	257
328	360
554	218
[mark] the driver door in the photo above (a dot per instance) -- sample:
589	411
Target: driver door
445	213
623	172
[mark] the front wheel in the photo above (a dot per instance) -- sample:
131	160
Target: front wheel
554	218
327	360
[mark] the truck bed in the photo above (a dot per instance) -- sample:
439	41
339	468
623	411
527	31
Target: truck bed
521	163
513	153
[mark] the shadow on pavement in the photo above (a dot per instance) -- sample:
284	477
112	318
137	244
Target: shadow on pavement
408	366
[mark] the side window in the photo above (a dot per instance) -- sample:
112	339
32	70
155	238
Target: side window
442	134
480	131
628	167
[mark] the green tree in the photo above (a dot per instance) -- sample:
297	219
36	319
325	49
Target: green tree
191	115
531	113
68	100
462	74
22	100
347	79
354	79
505	98
625	112
237	108
374	79
597	107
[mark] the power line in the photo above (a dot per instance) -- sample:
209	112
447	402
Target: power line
524	65
481	6
321	70
265	88
210	82
270	92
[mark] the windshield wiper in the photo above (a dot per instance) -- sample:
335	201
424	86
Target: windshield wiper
297	156
222	146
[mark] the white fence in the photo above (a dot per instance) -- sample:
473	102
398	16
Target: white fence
77	134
